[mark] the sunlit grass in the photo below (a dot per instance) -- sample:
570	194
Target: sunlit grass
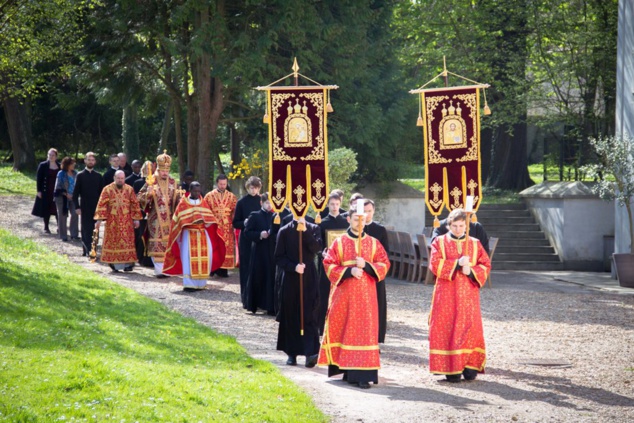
16	183
74	345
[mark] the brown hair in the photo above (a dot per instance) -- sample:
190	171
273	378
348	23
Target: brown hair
66	162
338	192
90	154
334	196
253	181
54	150
456	215
264	197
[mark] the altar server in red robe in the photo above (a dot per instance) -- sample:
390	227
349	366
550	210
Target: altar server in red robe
351	344
456	339
194	248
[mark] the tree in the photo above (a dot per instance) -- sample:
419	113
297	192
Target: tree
37	39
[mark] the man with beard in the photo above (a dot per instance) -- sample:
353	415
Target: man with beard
194	248
159	201
119	208
88	186
222	204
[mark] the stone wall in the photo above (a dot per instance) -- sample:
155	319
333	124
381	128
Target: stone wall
575	221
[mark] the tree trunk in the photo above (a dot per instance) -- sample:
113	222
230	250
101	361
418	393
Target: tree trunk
165	130
178	131
130	132
203	91
235	143
19	126
509	161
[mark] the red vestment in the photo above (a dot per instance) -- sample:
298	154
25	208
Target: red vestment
118	207
456	338
159	207
195	219
351	340
223	207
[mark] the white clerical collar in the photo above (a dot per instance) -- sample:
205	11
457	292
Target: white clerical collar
195	202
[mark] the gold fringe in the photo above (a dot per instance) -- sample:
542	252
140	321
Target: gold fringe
301	227
277	219
474	218
436	222
318	219
419	121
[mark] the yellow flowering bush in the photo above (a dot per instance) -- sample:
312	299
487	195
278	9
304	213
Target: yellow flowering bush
254	165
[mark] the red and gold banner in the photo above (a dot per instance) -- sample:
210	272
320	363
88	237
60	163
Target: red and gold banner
298	148
451	131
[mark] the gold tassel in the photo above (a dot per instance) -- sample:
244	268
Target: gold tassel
266	119
301	227
436	222
419	121
474	218
487	111
277	220
329	108
318	219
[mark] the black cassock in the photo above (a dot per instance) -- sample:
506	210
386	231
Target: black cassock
140	242
289	338
108	176
244	207
329	223
88	186
275	228
261	282
379	232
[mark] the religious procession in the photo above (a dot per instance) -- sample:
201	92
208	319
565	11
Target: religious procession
322	275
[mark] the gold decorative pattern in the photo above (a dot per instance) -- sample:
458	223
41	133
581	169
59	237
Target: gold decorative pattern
431	103
318	185
279	198
299	192
317	100
456	193
277	101
470	101
297	126
436	189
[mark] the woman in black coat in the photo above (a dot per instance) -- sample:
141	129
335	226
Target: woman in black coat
44	205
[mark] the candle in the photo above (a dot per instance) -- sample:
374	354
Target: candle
469	206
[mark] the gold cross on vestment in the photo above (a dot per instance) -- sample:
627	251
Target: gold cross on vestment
472	185
456	193
279	186
435	189
118	203
318	185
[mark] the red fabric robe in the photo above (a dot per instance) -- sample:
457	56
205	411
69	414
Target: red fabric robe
194	218
159	208
119	208
351	331
456	338
223	207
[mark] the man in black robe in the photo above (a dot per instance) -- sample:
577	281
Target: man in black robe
140	244
88	186
135	175
275	229
124	165
187	179
379	232
476	230
108	176
261	281
244	207
334	221
289	338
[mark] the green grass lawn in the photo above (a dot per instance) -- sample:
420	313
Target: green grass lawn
76	347
16	183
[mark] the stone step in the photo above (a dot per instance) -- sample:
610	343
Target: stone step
523	265
504	220
523	242
502	256
510	206
516	234
524	249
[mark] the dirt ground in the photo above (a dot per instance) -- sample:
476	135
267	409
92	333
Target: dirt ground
556	352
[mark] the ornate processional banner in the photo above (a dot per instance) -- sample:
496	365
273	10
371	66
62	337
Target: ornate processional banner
451	132
298	148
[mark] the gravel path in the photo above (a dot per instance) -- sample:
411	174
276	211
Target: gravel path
586	336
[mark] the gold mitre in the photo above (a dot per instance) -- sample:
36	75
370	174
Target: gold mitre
163	161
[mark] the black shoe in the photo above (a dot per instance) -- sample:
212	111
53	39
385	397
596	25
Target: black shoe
47	231
187	289
128	268
311	361
64	239
292	360
83	254
453	378
364	385
469	374
161	276
113	268
75	238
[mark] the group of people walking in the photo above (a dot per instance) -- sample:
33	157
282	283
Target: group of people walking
323	279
